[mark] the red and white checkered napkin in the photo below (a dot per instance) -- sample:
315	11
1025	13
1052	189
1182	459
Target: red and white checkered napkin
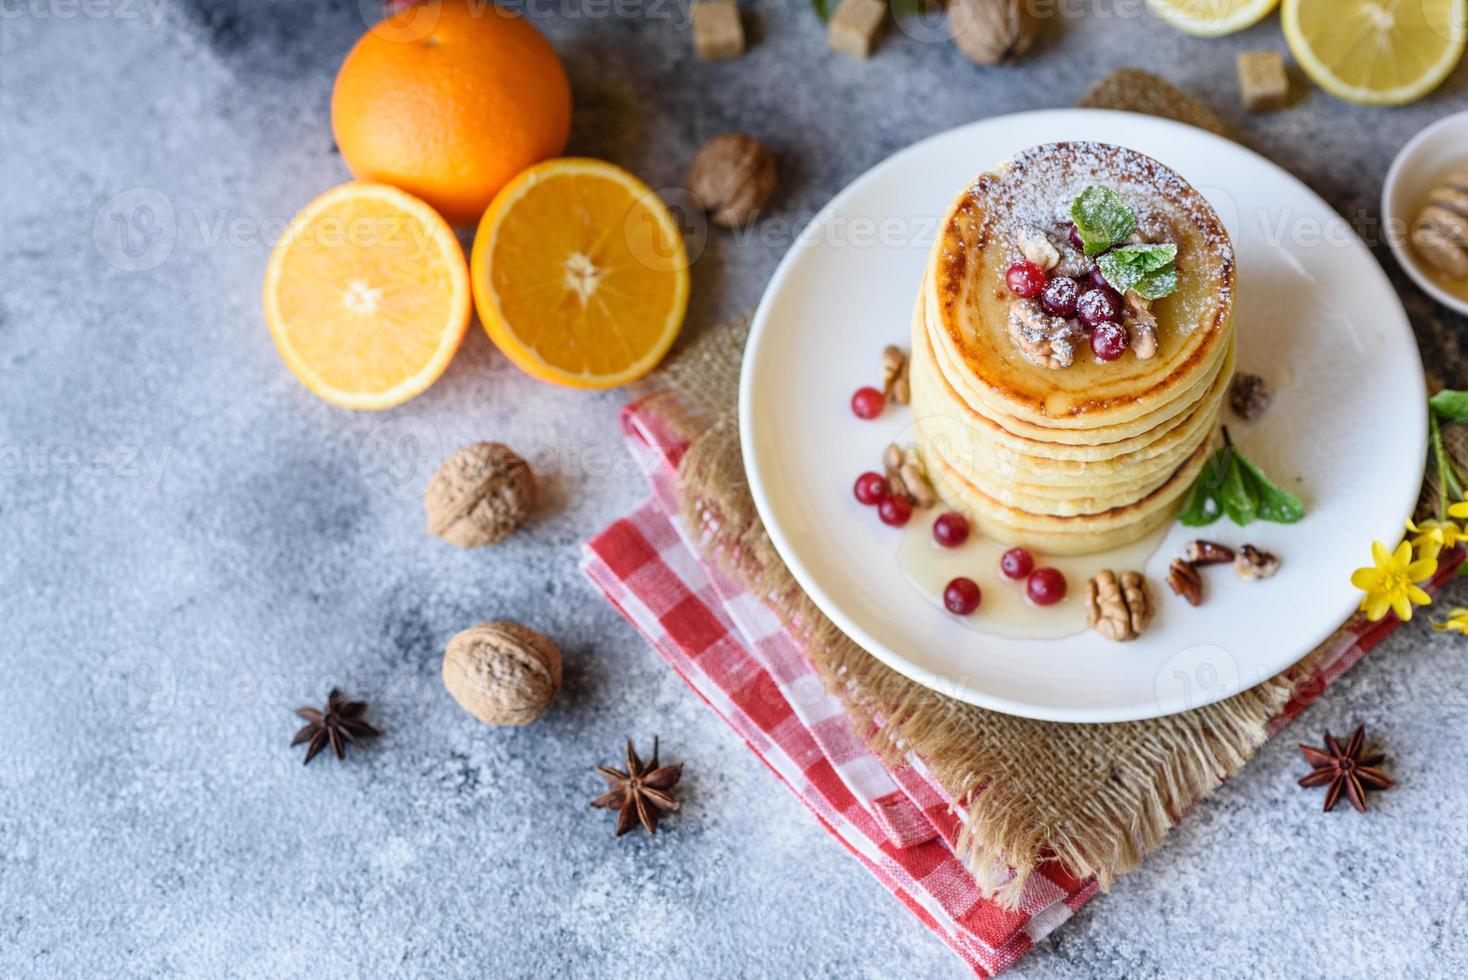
732	650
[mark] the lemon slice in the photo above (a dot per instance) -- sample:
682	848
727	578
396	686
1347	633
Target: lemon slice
1376	52
1212	18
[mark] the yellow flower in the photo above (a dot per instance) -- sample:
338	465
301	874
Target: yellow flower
1391	584
1434	535
1459	510
1457	621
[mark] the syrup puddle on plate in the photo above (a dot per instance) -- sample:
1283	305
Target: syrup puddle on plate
1004	609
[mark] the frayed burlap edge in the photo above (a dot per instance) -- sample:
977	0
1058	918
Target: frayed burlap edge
1094	797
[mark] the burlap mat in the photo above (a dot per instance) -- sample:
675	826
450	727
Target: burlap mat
1095	797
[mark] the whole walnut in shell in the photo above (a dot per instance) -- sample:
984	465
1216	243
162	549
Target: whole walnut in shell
479	495
502	673
992	32
733	176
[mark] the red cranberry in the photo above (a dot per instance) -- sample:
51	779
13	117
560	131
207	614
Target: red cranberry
1109	340
950	529
1059	297
871	489
895	511
1025	279
1045	586
1097	279
1016	563
868	403
1076	240
1097	306
961	597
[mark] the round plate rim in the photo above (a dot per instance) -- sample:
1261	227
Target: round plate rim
963	690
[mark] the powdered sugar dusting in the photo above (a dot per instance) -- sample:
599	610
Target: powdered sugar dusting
1032	194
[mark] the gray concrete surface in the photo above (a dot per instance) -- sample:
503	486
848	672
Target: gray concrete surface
191	545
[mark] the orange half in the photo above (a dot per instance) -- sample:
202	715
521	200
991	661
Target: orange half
367	296
580	274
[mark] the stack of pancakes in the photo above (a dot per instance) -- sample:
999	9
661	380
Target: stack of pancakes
1095	455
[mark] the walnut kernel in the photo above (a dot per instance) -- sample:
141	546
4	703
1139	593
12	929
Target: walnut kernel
895	384
1118	608
733	176
1045	340
1141	326
908	476
1038	248
501	672
479	495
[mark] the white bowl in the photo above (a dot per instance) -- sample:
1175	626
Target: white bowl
1425	159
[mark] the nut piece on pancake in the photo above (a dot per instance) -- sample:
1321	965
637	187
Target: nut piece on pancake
1049	341
1118	608
1037	247
1141	326
1184	580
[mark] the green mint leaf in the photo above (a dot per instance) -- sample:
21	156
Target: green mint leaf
1275	504
1231	485
1238	496
1451	405
1141	266
1102	218
1203	507
1155	285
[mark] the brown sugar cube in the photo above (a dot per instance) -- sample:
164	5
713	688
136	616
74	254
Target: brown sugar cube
717	31
854	26
1263	83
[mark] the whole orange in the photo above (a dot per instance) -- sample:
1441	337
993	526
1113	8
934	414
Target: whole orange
449	101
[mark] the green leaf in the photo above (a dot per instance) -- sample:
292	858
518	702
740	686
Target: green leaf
1231	485
1155	285
1148	269
1450	405
1239	498
1203	507
1102	218
1450	482
1275	504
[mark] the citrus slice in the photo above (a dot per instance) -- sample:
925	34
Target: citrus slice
580	274
1376	52
367	296
1212	18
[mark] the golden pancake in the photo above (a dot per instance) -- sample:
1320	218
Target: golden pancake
978	242
1041	442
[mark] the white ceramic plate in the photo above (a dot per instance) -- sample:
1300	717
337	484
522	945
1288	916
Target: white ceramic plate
1316	316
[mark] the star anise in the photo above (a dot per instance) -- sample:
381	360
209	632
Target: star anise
1345	769
640	793
340	723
